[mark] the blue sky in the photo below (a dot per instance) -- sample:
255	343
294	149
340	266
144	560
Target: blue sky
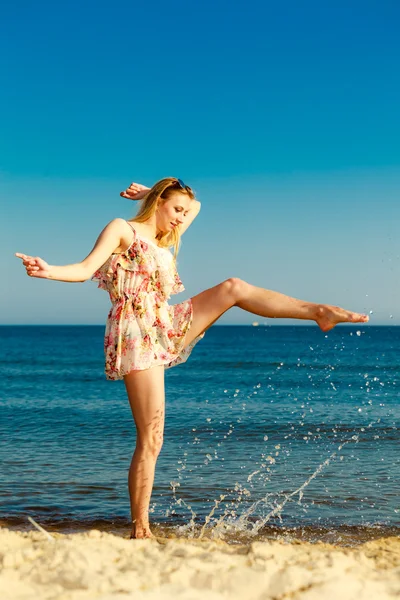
283	118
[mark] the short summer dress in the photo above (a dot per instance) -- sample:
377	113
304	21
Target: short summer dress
142	329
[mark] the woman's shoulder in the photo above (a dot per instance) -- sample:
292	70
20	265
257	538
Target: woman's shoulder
119	225
119	222
120	228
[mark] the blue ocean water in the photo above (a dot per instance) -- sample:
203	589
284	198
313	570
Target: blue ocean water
268	429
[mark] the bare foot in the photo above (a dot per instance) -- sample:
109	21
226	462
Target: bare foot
329	316
140	532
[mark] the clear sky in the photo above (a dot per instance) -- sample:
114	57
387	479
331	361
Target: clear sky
284	117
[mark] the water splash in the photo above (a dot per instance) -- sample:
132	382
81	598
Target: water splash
188	527
235	514
242	523
300	491
209	516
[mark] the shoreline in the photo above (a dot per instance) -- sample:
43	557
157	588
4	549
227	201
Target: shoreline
342	536
96	564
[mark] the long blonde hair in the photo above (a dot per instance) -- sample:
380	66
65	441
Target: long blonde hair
161	191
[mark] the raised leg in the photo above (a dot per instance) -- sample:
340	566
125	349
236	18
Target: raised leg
209	305
146	395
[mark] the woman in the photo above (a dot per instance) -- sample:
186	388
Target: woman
144	334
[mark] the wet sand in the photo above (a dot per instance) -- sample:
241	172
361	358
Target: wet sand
102	565
232	533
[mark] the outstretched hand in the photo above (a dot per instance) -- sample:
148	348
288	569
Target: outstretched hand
136	191
35	266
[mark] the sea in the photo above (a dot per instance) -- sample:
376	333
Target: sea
282	432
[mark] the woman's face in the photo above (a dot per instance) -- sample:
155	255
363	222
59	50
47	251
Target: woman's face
173	212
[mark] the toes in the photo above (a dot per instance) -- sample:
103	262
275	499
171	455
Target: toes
357	318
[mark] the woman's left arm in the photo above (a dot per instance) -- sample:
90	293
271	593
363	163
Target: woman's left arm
193	212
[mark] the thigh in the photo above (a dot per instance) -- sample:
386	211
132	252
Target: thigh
146	393
208	306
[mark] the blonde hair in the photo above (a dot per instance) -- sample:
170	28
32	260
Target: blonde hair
158	194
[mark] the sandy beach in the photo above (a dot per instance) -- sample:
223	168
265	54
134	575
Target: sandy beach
98	565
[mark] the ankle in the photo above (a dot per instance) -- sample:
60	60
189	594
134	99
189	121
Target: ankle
140	524
318	311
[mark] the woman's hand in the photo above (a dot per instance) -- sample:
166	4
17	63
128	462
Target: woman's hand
136	191
35	266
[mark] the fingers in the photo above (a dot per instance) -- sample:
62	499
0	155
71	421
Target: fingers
26	256
27	260
129	195
32	270
31	264
131	191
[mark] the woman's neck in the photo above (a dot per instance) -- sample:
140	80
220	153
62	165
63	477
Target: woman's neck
149	229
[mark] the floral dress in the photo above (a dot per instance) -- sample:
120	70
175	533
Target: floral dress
142	329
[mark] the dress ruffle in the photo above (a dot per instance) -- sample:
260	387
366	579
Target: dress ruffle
142	329
144	260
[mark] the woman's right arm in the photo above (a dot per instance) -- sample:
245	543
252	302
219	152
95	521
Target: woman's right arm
107	242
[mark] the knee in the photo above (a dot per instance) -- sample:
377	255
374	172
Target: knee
150	445
236	288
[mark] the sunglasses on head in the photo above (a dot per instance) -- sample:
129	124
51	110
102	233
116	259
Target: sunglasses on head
182	184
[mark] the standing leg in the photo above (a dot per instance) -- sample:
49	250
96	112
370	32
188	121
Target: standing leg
146	395
209	305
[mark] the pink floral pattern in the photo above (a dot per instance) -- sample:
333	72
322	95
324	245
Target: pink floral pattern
142	329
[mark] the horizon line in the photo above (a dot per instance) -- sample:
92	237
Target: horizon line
352	325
